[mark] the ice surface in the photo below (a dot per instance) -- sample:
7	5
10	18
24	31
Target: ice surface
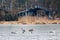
30	32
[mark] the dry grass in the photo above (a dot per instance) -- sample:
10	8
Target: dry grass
32	20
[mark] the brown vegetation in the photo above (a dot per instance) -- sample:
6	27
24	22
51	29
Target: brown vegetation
32	20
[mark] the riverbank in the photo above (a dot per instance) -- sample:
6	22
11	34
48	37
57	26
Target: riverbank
32	20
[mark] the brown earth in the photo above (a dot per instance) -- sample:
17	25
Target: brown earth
32	20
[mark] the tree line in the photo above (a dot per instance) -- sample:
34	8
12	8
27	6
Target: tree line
10	7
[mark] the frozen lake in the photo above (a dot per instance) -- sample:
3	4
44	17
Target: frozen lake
30	32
